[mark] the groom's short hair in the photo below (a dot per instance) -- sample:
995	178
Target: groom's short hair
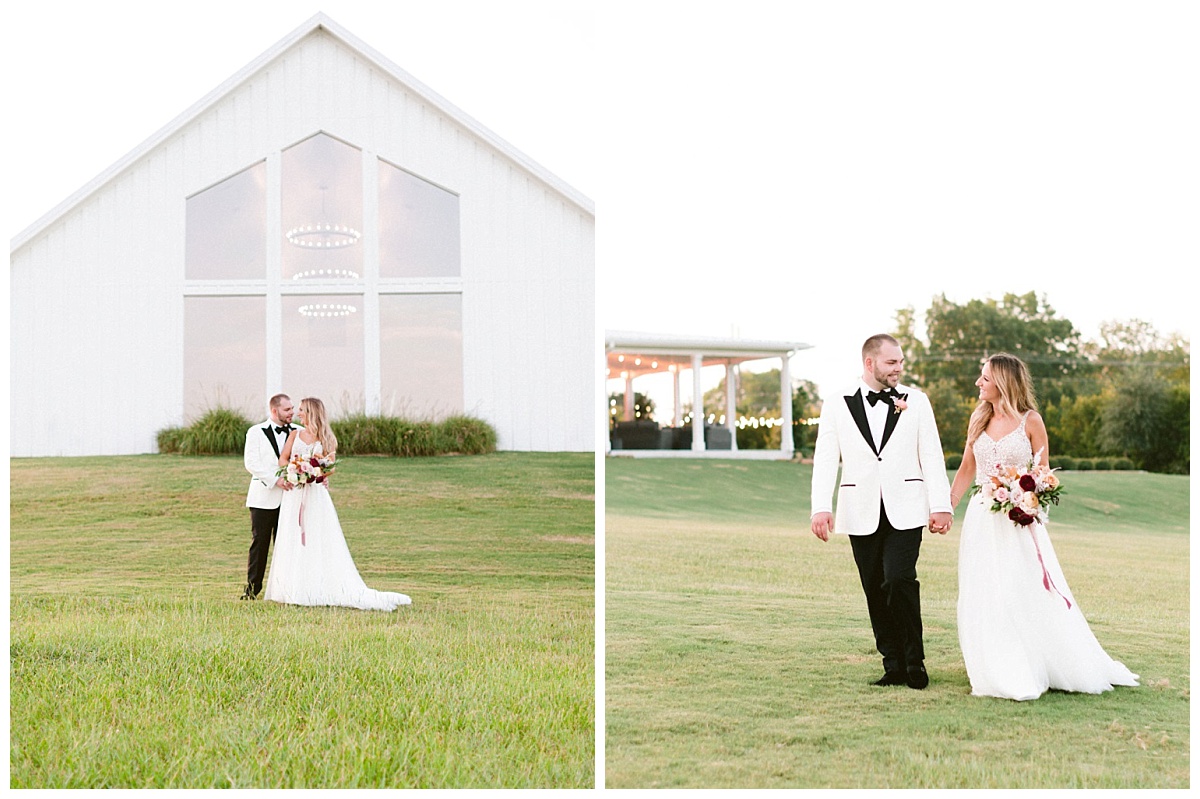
278	399
872	345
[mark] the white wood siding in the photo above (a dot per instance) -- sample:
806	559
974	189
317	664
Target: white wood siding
97	294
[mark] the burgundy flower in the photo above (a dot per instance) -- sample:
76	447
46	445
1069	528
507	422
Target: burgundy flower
1028	483
1020	517
315	462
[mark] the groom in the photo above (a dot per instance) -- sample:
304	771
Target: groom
893	476
264	442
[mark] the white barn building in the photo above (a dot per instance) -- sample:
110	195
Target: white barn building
321	224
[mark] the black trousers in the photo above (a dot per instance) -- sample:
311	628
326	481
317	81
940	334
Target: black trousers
263	524
887	568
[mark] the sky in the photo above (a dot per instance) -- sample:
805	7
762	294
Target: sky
95	80
801	176
790	171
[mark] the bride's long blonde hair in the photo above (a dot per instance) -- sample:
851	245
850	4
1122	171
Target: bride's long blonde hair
316	422
1012	380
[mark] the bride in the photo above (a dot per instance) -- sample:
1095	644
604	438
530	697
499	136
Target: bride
312	564
1019	627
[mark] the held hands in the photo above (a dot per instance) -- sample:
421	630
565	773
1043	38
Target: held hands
940	522
822	524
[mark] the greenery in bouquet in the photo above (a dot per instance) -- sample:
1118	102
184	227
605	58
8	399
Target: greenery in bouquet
302	471
1022	494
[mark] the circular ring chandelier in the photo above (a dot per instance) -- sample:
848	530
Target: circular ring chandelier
345	274
323	237
327	309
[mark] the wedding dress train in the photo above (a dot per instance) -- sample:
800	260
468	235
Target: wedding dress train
311	564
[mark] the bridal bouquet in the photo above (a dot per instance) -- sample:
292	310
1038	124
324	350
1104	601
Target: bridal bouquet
302	471
1022	494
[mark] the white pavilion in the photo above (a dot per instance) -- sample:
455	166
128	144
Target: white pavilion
630	355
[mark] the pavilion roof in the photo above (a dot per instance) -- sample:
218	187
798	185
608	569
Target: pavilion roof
647	353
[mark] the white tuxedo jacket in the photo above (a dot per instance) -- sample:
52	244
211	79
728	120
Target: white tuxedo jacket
262	461
907	471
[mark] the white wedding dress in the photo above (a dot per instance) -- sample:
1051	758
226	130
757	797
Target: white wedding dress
1018	637
318	570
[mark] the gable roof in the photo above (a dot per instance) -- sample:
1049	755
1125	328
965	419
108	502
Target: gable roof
319	21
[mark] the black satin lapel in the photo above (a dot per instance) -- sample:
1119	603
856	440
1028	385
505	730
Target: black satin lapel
271	437
892	419
855	404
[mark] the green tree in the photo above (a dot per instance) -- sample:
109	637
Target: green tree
1146	418
1073	426
643	407
758	396
952	412
806	405
959	337
1127	394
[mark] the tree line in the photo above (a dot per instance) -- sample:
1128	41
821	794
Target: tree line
1124	396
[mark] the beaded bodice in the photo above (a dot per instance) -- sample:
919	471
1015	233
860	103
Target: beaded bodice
305	450
1013	449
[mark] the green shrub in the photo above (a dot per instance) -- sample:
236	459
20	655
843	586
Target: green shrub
1122	464
1085	464
170	440
1103	464
417	439
954	461
366	435
1063	462
220	431
223	432
468	436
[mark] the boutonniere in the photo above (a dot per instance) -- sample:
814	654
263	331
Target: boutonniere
898	404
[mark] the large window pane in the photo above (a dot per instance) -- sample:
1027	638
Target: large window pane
227	229
322	210
224	355
421	355
323	351
418	226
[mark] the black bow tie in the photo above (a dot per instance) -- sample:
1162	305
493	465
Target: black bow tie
288	428
885	395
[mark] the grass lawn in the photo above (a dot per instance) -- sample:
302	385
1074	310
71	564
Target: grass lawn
739	652
134	664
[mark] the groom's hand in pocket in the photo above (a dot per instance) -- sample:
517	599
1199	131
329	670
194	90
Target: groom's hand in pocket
822	523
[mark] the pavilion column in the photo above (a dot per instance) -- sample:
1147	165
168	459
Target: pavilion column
697	404
731	403
786	443
629	397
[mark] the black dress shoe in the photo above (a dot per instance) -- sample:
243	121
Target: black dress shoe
917	678
892	678
248	593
